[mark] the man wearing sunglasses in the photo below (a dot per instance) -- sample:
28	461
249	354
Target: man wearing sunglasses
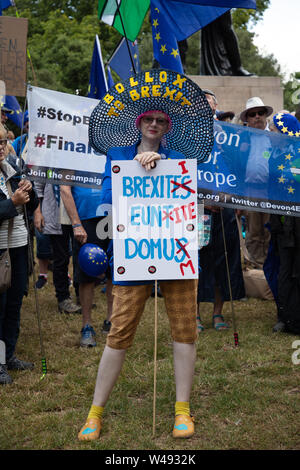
257	173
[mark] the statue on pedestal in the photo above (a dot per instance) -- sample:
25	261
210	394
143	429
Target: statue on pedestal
219	49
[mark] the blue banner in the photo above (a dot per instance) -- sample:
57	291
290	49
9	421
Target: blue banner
121	60
252	169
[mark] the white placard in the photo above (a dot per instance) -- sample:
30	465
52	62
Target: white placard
58	144
155	220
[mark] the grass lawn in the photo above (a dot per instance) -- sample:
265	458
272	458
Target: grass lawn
243	398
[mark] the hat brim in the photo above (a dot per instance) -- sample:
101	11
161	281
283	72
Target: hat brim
225	115
244	113
112	122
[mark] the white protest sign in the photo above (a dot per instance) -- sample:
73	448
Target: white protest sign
155	220
58	145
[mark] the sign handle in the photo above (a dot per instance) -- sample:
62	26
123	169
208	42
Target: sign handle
155	356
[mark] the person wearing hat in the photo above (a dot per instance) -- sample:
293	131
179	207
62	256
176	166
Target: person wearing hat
4	112
256	175
20	142
225	115
212	101
152	128
285	232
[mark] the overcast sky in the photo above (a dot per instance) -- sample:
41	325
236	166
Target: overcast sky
277	34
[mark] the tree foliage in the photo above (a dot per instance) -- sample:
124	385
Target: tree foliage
62	32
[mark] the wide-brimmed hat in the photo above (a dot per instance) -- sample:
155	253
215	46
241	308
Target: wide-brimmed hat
287	124
112	122
222	115
255	102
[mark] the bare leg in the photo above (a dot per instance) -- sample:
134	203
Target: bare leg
109	298
109	370
184	367
218	320
43	265
86	295
218	304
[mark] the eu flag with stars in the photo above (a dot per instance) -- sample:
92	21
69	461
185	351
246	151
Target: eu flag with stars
165	46
98	84
121	60
175	21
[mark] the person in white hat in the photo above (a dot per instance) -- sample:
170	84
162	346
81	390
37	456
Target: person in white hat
257	172
256	113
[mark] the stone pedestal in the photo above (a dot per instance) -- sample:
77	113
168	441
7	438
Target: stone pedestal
233	92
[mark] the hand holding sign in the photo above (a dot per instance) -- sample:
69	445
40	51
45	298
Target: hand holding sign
147	159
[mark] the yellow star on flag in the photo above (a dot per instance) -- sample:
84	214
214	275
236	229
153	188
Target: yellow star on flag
284	130
175	52
291	190
281	179
297	134
280	167
288	157
155	23
157	37
291	133
279	116
280	123
163	48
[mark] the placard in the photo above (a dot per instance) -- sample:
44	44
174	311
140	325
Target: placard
13	44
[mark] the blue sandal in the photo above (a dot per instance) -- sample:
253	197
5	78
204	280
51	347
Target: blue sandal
220	325
200	327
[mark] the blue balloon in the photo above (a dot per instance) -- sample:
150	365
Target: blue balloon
92	260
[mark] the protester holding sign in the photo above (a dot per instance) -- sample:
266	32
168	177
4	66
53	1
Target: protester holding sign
285	231
15	193
154	114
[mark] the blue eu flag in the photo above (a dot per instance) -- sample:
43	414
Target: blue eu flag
98	84
121	61
175	21
165	46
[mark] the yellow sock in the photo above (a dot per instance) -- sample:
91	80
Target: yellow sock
96	412
182	408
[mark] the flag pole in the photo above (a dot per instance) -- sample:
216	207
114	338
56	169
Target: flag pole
235	334
155	357
131	59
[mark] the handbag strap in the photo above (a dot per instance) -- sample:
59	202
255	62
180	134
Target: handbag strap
11	221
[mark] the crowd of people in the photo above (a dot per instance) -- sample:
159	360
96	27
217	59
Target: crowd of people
66	217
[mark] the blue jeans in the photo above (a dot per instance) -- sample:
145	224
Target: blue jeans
11	300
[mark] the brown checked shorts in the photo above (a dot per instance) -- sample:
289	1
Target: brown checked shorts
180	298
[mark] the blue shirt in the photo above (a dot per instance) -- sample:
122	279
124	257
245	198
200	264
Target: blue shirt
87	201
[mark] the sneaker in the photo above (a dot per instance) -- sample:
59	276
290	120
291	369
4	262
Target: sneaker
91	430
279	327
16	364
106	326
68	306
5	378
40	283
183	426
88	336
